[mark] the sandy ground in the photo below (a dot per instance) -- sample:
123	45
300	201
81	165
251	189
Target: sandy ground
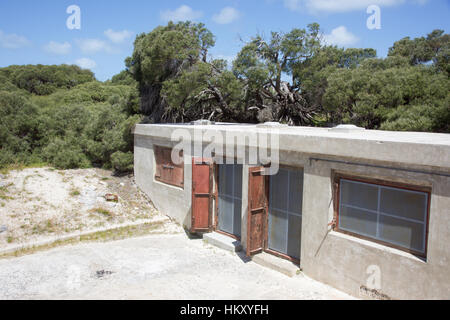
150	267
43	203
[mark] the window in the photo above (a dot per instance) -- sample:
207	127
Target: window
285	212
393	215
166	171
230	198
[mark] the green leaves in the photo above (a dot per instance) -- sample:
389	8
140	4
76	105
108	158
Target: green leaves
44	80
434	48
388	94
160	54
73	127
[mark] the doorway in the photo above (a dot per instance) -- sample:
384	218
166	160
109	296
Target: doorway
274	220
285	213
229	195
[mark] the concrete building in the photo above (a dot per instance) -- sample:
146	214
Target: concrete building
367	212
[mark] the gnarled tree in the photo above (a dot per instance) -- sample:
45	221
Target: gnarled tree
164	54
263	64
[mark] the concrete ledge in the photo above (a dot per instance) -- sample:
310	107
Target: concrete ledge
75	236
275	263
223	242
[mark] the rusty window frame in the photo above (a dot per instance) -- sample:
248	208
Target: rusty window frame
162	163
383	183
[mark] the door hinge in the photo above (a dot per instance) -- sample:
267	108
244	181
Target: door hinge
332	224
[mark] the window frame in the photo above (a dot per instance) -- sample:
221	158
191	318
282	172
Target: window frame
170	163
378	182
216	195
266	231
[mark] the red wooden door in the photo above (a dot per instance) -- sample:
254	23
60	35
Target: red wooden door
201	195
257	211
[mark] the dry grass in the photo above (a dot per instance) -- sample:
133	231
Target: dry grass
75	193
103	212
4	193
101	236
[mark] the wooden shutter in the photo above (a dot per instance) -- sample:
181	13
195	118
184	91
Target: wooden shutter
166	171
201	195
158	161
257	211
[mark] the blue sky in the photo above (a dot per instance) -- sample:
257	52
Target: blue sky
33	32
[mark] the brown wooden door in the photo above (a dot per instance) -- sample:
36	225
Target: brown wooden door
201	195
257	211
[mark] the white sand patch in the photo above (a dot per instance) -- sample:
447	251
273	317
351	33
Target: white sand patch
41	203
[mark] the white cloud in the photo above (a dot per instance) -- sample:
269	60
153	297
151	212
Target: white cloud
340	36
58	48
226	15
118	36
332	6
89	46
86	63
183	13
12	41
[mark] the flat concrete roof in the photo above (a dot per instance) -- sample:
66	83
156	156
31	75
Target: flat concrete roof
420	148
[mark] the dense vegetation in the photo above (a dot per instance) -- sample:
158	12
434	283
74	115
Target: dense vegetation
408	90
63	116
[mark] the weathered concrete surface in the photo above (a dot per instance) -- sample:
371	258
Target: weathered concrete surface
346	262
223	242
413	158
275	263
152	267
415	148
169	200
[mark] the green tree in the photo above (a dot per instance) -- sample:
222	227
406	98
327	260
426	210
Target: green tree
311	75
163	54
204	91
261	65
389	90
434	48
18	128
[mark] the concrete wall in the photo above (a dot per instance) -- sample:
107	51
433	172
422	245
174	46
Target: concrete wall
339	260
343	261
172	201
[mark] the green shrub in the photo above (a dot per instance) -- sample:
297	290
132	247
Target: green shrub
122	162
63	116
66	154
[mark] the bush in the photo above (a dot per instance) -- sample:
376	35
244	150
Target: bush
63	116
44	80
66	154
18	128
122	162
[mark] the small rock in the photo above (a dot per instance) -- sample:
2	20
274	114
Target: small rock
112	197
122	184
2	176
3	229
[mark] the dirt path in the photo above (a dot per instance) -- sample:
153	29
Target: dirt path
44	203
